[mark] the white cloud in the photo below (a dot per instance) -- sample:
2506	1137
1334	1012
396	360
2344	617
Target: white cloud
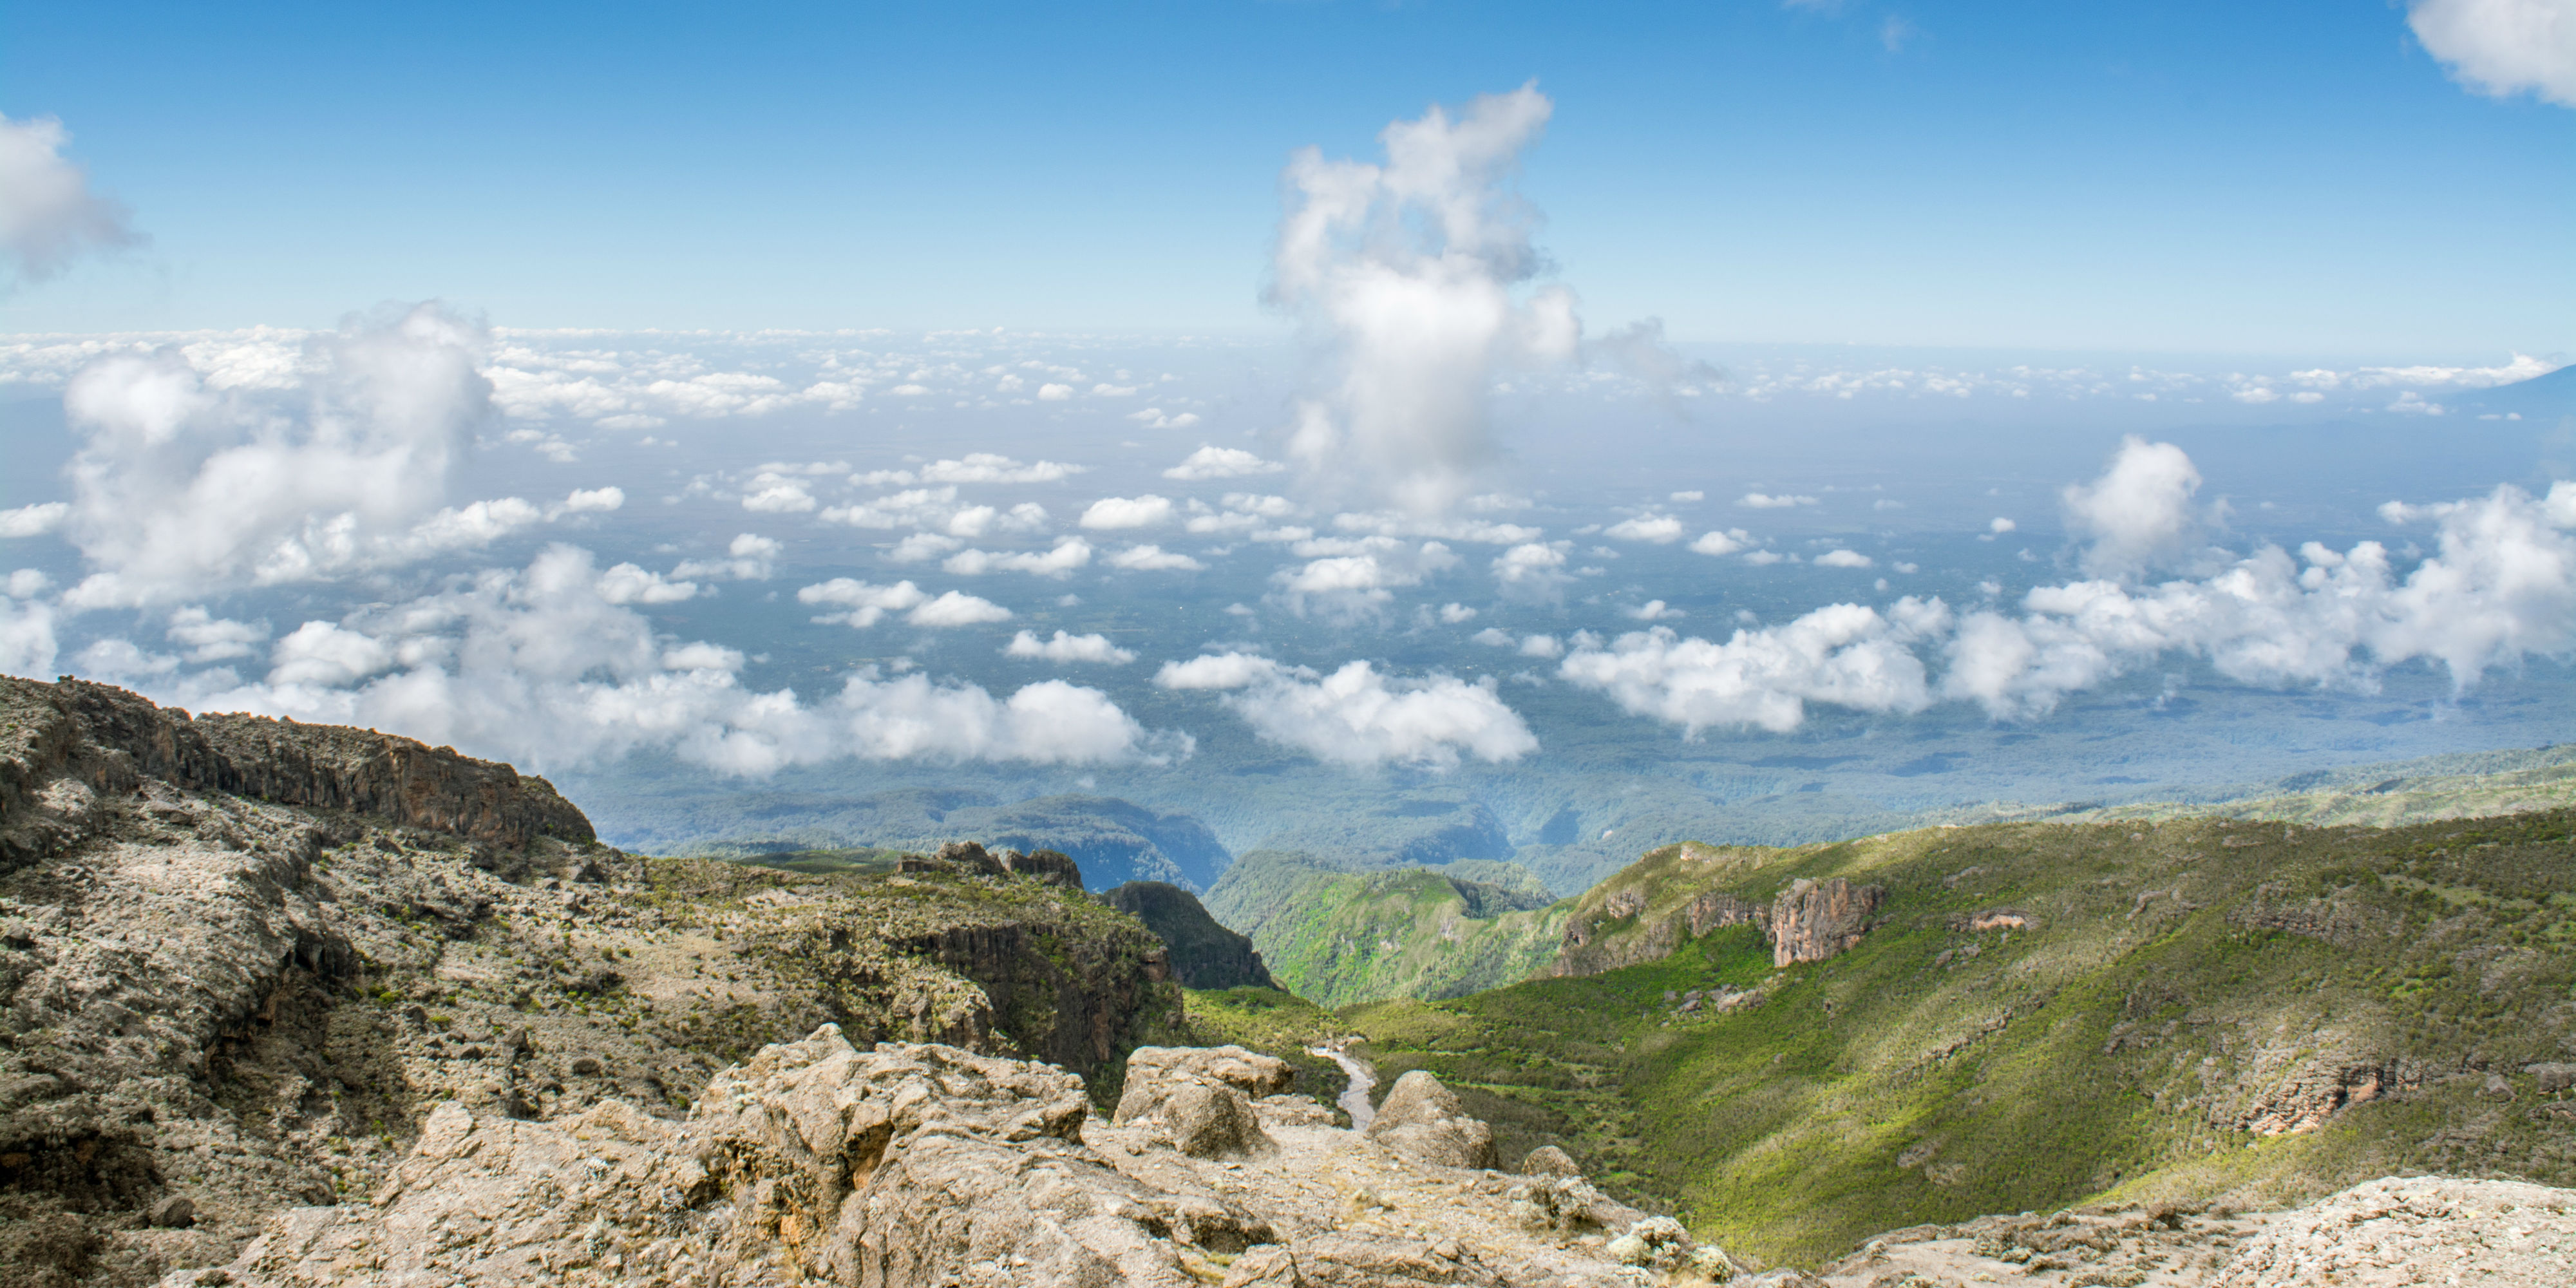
628	584
324	654
1358	717
597	500
1655	610
2502	47
1117	512
27	644
1493	637
118	660
1210	462
1766	501
1454	614
26	583
1156	418
210	638
1113	391
34	520
1388	523
864	605
1692	495
2501	587
989	467
1054	393
1661	529
2000	525
778	496
2139	513
1721	543
753	557
48	215
1356	578
1069	553
1405	274
1846	655
1532	571
954	608
1153	559
922	547
1068	648
1541	646
1844	559
182	486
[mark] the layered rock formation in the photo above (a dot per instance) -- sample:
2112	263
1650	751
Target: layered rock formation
912	1165
228	1005
1814	920
1204	953
1624	925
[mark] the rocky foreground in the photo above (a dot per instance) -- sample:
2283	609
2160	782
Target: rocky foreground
922	1165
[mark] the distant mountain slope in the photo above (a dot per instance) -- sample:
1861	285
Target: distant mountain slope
2040	1013
2480	784
1337	937
1115	841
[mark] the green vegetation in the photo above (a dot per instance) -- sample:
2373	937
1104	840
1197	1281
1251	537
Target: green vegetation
1340	937
2198	1007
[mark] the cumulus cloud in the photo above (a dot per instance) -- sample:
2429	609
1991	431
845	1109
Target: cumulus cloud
1661	529
954	608
1353	578
1844	559
34	520
1406	278
1117	512
1453	614
1068	648
1153	559
629	584
1846	655
48	214
27	641
1533	571
1769	501
1357	716
752	557
1655	610
2502	47
1211	462
2501	586
181	486
1721	543
1069	553
535	666
2139	513
990	467
861	604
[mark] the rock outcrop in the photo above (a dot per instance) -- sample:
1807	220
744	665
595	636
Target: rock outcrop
1814	920
1204	953
1201	1098
909	1166
1423	1118
223	1006
64	746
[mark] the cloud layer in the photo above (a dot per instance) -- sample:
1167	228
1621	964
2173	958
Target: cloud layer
1357	716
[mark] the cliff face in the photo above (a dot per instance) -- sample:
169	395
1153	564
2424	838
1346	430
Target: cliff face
239	1004
57	740
1205	955
1662	901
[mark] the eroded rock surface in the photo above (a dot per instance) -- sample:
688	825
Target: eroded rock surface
1814	920
917	1165
1423	1118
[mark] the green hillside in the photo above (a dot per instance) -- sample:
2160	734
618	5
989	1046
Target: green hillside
1338	937
2196	1007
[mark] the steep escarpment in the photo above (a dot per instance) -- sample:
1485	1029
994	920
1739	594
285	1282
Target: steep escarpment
64	746
2028	1016
213	1006
1205	955
1340	937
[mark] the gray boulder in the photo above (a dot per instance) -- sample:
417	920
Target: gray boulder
1200	1098
1548	1160
1422	1118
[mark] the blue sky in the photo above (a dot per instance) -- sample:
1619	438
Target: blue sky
2282	178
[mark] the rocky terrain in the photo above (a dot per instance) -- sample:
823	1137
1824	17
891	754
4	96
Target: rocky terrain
213	1005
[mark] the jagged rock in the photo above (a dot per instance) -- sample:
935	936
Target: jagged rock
1814	920
1423	1118
1548	1160
69	744
1204	954
1567	1205
1048	866
2412	1231
1201	1098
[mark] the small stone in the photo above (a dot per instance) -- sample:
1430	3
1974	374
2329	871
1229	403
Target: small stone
176	1212
585	1067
